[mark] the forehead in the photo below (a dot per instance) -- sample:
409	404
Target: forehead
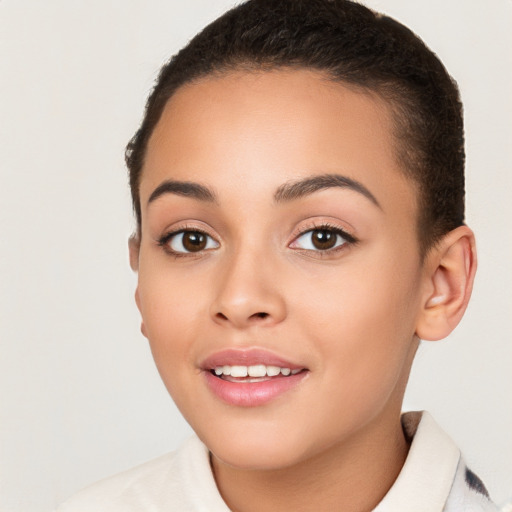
257	130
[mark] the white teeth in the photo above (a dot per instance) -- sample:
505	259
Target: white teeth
257	370
239	371
272	371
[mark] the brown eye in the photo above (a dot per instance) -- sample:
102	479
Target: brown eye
194	241
323	239
191	241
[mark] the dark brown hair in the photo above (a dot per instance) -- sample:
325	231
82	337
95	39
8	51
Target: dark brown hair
350	44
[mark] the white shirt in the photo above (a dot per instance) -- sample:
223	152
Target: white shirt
434	478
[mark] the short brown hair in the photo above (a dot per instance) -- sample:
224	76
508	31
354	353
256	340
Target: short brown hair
350	44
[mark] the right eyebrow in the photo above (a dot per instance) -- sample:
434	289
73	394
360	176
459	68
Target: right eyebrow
311	184
183	188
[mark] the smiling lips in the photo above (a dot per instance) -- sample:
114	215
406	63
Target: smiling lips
256	373
260	380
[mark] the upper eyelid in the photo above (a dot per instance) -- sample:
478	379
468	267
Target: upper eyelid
322	225
164	242
349	241
296	233
165	239
180	228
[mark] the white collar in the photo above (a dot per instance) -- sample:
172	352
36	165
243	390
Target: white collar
426	478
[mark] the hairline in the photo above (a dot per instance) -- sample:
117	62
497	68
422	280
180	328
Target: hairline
378	90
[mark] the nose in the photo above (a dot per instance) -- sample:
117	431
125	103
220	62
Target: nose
248	293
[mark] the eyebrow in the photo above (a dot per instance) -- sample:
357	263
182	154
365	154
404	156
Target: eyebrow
286	192
297	189
183	188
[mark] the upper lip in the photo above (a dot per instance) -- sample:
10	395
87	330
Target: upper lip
246	357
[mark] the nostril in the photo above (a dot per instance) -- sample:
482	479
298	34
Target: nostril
239	318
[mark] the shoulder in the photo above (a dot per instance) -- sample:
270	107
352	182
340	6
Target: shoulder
434	476
180	479
126	491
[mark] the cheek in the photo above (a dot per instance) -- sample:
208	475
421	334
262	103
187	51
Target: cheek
361	298
363	322
171	308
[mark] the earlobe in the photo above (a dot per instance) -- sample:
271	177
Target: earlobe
137	301
134	248
450	270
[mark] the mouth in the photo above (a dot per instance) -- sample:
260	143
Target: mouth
250	378
253	373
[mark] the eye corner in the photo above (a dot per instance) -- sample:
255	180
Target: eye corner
198	242
329	239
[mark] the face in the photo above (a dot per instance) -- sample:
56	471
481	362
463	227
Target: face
279	272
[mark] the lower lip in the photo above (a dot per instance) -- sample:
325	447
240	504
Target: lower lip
252	394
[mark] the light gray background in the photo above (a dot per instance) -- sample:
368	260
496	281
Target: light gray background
80	398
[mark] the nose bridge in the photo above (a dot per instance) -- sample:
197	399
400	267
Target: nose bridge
247	289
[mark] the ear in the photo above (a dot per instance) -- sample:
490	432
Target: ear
134	248
137	301
448	281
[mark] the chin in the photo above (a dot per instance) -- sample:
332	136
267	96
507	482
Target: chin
253	458
256	448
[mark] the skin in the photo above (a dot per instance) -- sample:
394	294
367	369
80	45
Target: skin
351	315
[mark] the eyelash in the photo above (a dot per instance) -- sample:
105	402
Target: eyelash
167	237
347	237
348	240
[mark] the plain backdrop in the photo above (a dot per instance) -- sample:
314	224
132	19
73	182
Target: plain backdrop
80	398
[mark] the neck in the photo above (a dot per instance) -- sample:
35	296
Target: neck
352	476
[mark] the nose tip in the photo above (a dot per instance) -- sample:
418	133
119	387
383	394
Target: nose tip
247	298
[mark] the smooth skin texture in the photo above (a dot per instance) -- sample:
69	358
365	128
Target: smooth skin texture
351	315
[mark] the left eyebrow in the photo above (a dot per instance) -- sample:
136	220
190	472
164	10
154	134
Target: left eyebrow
297	189
185	189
